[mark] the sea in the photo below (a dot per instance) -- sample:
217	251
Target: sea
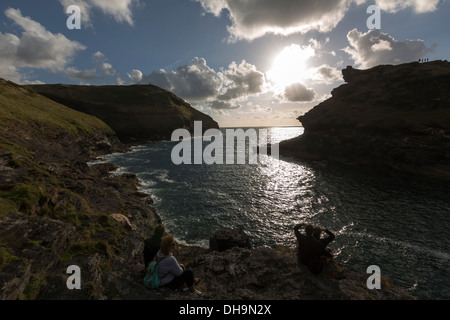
398	222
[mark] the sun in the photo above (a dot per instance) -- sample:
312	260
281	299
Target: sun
290	66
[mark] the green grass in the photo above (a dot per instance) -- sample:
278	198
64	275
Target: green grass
31	292
87	248
6	257
28	109
7	206
23	196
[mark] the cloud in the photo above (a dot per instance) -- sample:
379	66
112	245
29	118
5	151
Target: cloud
35	48
374	48
194	81
419	6
120	10
197	83
241	80
74	73
325	74
298	92
135	76
104	68
223	105
101	69
252	19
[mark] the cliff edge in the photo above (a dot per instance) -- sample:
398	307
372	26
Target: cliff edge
137	114
388	116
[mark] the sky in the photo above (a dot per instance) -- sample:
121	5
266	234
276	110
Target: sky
243	62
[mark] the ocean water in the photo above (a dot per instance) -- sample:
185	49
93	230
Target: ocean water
397	222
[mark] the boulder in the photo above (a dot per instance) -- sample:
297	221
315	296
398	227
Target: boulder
227	239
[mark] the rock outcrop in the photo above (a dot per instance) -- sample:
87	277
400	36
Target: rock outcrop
137	114
227	239
388	116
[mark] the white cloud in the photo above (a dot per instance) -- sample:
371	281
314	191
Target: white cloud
120	81
241	80
120	10
100	69
374	48
35	48
419	6
252	19
135	76
104	68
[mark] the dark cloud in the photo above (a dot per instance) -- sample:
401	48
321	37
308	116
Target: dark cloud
195	81
222	105
298	92
326	74
252	19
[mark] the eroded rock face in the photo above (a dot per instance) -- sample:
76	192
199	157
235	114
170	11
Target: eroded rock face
388	116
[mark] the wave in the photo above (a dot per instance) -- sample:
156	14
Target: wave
419	250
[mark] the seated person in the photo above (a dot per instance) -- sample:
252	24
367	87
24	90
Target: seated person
171	274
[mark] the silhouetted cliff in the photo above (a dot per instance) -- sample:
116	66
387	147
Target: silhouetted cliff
390	116
137	114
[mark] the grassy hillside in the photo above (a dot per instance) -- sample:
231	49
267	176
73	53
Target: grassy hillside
137	113
26	108
55	210
37	133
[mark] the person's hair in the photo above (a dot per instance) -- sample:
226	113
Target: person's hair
155	239
316	232
167	244
159	231
309	229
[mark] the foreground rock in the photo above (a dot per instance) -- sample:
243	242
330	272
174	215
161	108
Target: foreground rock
258	274
388	116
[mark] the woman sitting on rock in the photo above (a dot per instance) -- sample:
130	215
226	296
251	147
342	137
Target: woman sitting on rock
171	274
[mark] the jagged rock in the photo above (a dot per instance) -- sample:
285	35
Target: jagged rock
123	220
228	239
394	117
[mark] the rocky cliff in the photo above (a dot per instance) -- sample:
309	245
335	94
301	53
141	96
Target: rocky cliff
389	116
56	211
137	114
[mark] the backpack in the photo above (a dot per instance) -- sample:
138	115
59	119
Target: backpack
151	280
